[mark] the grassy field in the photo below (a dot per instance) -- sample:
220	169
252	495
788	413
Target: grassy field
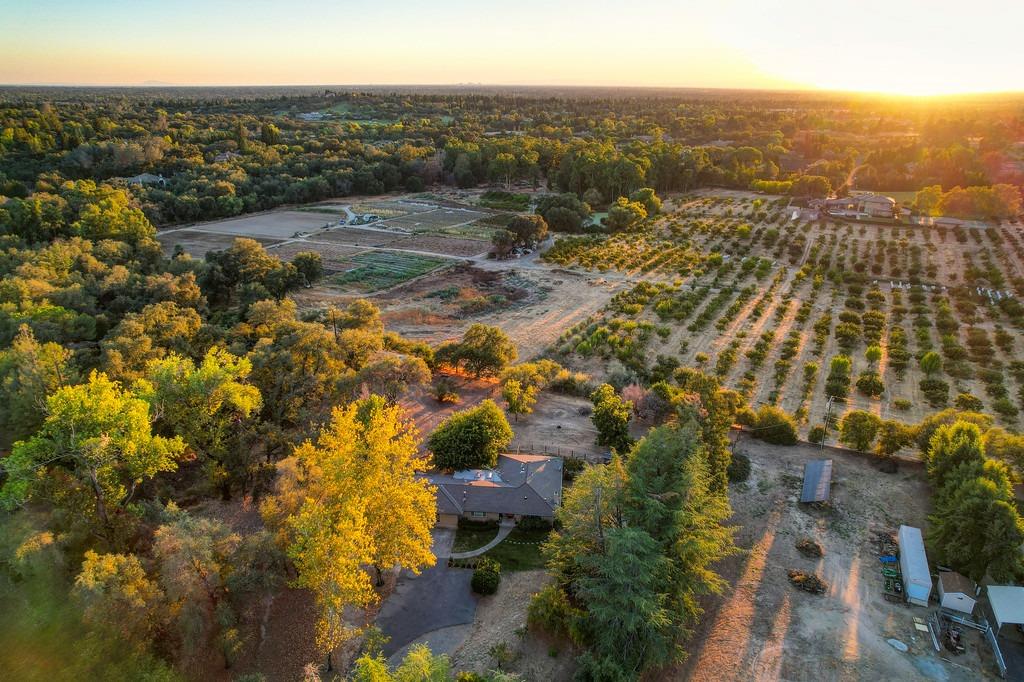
377	270
899	197
478	230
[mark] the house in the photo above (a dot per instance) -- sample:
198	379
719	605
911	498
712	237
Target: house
520	485
957	592
147	179
224	157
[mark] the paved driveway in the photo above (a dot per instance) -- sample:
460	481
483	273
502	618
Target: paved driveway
439	597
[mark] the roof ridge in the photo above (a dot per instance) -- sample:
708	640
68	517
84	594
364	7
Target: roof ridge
450	497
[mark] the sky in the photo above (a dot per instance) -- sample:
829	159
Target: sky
909	47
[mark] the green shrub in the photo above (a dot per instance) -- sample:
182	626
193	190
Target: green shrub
486	576
966	401
902	404
551	612
444	391
870	384
534	523
936	392
739	468
1005	407
816	434
774	425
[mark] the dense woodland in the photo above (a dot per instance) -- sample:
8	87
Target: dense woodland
136	387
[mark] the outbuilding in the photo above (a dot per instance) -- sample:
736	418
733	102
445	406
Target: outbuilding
957	592
1007	603
817	486
917	579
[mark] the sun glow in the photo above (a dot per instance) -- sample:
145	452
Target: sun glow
904	47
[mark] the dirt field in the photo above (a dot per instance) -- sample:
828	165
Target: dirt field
199	243
275	224
765	629
532	305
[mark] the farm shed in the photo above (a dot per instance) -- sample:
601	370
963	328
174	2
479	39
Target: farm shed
957	592
917	579
1007	604
817	481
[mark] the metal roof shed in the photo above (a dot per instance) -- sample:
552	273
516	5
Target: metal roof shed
1007	603
917	579
817	481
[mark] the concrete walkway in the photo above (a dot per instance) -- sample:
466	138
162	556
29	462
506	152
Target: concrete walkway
504	528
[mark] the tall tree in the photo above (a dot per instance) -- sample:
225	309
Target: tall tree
209	406
29	372
976	527
95	448
471	438
519	398
611	418
483	350
351	500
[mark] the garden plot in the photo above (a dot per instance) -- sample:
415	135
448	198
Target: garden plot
450	246
376	270
354	236
335	258
435	219
391	208
273	225
197	243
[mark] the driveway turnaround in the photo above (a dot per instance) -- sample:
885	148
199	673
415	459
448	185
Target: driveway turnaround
439	597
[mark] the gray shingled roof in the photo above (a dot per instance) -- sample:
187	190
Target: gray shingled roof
527	485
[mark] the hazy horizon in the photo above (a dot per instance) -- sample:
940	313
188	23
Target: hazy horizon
899	47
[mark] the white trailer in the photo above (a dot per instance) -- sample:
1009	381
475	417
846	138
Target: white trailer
917	579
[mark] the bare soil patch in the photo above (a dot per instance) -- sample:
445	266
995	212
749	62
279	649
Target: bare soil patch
275	224
197	243
501	619
764	628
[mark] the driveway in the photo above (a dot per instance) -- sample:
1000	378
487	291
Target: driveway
436	599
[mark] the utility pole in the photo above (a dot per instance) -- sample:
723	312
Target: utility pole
828	415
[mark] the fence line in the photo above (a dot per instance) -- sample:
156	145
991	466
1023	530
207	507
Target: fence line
559	451
990	635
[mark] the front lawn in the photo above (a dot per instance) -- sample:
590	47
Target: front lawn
473	535
520	551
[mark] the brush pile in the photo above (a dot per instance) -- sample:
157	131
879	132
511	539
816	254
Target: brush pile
808	582
809	548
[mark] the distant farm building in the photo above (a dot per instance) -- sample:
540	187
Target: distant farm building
862	206
521	485
146	179
224	157
817	481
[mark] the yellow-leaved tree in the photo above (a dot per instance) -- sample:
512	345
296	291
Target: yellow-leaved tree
351	501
